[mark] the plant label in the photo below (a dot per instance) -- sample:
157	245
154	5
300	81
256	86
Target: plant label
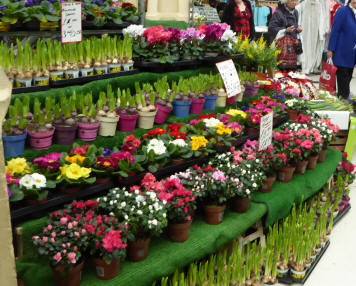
71	22
266	128
100	271
230	77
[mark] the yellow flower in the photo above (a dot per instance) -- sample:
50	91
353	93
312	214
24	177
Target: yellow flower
17	166
75	159
222	130
235	112
198	142
74	172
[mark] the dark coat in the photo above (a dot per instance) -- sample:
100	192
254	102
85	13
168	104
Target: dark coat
282	19
343	38
229	17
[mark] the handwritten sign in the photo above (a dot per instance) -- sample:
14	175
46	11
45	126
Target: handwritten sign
71	22
266	128
210	13
230	77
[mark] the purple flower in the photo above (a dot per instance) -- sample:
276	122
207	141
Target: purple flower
107	152
112	9
3	8
99	2
244	108
190	34
8	192
214	32
175	35
279	96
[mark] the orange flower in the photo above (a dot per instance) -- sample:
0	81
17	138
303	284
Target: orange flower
75	159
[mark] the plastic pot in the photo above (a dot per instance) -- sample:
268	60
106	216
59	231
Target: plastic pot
210	102
240	205
301	167
68	278
221	100
23	82
88	131
214	214
197	106
297	275
285	174
252	131
138	250
127	123
41	81
14	146
4	27
70	189
251	89
108	125
312	162
103	180
293	114
162	114
127	67
181	108
36	202
56	75
49	26
268	184
87	72
176	162
322	155
106	271
114	68
70	74
282	273
146	119
41	140
230	100
179	232
101	70
65	135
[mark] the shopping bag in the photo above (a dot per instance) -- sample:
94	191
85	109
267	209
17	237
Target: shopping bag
328	77
288	55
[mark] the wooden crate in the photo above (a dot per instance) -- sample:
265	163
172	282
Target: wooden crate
340	141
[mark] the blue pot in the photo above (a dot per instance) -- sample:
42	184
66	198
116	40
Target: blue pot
210	102
14	145
181	108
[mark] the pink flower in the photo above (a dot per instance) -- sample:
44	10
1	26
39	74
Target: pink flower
63	233
70	225
49	227
63	245
71	257
307	144
75	223
76	234
63	220
194	122
53	234
44	239
58	257
53	240
68	244
112	241
35	237
219	176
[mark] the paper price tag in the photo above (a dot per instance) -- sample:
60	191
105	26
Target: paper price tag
266	129
230	77
71	22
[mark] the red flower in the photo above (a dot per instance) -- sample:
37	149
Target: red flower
80	150
175	127
207	116
153	133
178	135
127	5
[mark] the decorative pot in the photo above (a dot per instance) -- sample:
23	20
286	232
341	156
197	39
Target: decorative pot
178	162
282	273
127	67
106	271
101	70
69	278
285	174
65	135
70	74
41	140
87	72
230	100
293	114
70	189
36	202
268	184
221	100
179	232
214	214
103	180
108	125
181	108
252	131
56	75
322	155
197	106
211	54
210	102
88	131
14	146
127	123
114	68
146	119
251	89
312	162
41	81
162	114
240	205
297	275
23	82
301	167
48	26
138	250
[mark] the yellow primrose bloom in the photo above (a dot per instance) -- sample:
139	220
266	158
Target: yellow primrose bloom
75	159
222	130
74	172
198	142
235	112
17	166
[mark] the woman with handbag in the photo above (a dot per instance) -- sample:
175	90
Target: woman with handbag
342	46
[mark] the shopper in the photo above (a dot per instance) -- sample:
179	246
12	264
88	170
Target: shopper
342	46
284	21
238	14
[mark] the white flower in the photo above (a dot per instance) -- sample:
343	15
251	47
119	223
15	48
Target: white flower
248	191
111	203
39	180
157	146
164	215
156	206
153	196
139	212
126	217
229	35
134	31
123	204
140	198
137	192
155	222
179	143
27	182
211	122
254	185
117	196
105	199
111	214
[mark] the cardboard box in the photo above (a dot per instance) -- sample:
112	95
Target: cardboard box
341	118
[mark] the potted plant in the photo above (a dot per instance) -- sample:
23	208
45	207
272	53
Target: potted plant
100	63
85	56
48	165
145	220
298	265
219	86
71	61
114	54
178	149
39	64
127	62
10	14
106	113
163	103
181	102
41	130
292	108
127	111
88	125
55	60
24	64
210	94
14	130
268	166
196	95
250	84
147	113
45	13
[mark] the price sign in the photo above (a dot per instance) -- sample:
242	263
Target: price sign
266	128
71	22
230	77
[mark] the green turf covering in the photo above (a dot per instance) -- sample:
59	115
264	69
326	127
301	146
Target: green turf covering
167	24
280	201
163	259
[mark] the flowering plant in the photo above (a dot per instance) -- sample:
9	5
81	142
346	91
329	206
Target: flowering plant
35	186
296	104
134	31
13	191
189	182
17	167
191	44
142	211
154	154
327	129
48	165
73	174
346	169
277	107
179	148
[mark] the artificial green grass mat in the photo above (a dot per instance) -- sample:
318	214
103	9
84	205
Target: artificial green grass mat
280	201
167	24
163	259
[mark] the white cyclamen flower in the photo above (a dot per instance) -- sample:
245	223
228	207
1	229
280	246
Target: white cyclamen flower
179	143
229	35
134	31
27	182
39	180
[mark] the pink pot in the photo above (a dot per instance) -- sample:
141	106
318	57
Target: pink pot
127	123
197	106
230	100
41	140
88	131
162	114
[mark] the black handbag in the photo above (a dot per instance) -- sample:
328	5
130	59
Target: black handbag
299	48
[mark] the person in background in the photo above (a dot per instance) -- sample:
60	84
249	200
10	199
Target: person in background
342	46
284	21
238	14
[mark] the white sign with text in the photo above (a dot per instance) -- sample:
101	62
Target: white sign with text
266	129
230	77
71	22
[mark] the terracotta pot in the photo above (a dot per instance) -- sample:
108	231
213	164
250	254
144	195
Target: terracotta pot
252	131
312	162
36	202
179	232
65	135
138	250
88	131
41	140
70	189
240	205
285	174
268	184
103	181
214	214
68	278
106	271
178	161
108	125
322	155
301	167
293	114
146	119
